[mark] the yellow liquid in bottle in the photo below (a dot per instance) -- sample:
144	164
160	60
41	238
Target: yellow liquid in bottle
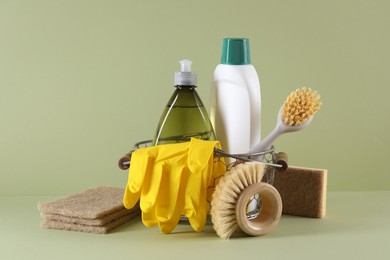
184	117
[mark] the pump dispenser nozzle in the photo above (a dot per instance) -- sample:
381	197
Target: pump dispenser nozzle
185	77
185	65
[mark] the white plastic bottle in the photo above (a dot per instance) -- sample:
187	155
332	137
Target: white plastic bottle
235	98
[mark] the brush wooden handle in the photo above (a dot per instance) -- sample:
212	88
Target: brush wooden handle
125	159
282	159
270	212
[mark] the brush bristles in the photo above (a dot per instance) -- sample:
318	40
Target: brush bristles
223	204
300	106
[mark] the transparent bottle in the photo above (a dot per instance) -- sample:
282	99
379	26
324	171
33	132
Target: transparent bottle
185	115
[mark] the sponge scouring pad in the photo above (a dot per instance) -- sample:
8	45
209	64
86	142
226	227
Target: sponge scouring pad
91	222
91	203
303	191
96	210
99	229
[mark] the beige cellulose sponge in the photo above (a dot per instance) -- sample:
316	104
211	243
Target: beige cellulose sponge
96	210
303	191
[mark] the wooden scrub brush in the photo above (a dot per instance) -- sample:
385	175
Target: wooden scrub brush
229	205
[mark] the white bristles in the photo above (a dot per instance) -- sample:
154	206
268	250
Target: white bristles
223	204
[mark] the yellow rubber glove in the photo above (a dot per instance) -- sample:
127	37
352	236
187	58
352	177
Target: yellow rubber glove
172	180
200	162
149	167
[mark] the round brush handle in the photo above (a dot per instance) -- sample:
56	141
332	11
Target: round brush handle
270	209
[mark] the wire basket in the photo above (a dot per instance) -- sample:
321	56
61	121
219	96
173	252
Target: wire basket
267	157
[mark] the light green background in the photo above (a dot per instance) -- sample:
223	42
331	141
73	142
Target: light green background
81	81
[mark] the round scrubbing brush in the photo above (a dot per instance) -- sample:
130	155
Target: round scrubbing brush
230	201
296	113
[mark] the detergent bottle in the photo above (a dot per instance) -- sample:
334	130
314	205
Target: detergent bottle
235	98
185	115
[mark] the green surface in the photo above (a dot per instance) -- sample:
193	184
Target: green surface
356	227
81	81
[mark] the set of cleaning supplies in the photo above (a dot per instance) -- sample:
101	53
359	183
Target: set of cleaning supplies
172	180
235	99
179	175
185	115
96	210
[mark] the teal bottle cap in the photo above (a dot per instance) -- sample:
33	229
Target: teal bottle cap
235	51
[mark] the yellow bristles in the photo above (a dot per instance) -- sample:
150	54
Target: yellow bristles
300	106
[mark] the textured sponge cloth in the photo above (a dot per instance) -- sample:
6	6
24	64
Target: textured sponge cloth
99	229
92	203
303	191
91	222
96	210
